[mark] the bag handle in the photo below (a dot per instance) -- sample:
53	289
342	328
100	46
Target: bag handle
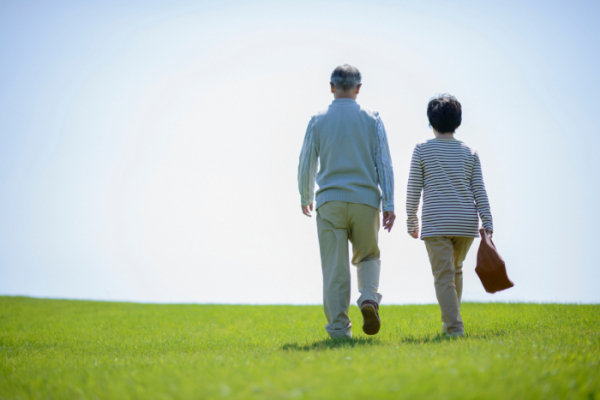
485	237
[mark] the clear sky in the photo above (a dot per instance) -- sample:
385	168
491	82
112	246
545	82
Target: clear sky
149	149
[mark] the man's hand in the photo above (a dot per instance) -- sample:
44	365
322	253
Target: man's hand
305	210
415	234
388	220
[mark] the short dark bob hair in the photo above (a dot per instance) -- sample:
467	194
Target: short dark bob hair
444	113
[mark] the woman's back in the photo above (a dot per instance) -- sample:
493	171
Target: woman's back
449	174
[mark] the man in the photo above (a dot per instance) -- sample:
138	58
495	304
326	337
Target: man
351	144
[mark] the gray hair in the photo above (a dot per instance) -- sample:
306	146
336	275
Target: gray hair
346	77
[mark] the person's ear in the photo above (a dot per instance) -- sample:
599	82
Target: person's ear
357	88
332	87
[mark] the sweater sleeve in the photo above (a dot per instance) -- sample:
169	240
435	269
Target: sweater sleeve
480	194
385	171
307	167
413	192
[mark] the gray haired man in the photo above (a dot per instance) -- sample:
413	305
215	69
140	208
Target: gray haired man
351	144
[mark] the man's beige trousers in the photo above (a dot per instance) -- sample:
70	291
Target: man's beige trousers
446	254
338	222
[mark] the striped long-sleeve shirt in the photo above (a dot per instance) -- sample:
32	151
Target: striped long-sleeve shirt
449	174
351	144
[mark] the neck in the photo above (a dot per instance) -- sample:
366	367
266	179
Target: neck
447	135
344	95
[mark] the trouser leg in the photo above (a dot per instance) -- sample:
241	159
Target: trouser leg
335	263
441	256
461	248
368	281
363	226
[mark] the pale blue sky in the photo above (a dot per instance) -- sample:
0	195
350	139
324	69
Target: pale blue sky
148	149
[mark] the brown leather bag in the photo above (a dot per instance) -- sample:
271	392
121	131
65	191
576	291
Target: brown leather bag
490	266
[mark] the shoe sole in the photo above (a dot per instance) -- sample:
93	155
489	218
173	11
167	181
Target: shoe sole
371	322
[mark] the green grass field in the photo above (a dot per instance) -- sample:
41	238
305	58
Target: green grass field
56	349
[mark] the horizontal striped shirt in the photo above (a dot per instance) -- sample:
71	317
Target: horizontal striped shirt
355	158
448	172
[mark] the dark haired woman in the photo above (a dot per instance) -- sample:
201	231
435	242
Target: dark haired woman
449	174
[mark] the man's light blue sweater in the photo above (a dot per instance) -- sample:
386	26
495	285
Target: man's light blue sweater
351	144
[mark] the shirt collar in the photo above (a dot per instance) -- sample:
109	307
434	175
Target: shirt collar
343	101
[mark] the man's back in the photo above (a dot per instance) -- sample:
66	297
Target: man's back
345	139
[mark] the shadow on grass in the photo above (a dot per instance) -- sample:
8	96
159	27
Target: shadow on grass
439	338
327	344
410	339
